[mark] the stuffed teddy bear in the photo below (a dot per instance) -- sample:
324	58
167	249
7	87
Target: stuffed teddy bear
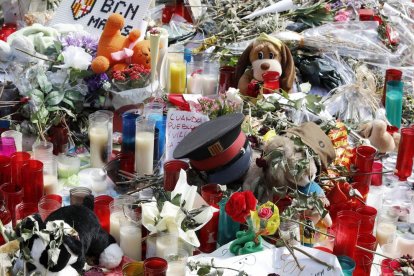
376	132
283	163
117	51
266	53
83	241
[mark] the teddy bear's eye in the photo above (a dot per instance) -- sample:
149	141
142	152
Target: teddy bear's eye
271	55
260	55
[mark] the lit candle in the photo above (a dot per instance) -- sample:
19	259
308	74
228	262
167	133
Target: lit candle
177	77
130	240
114	225
176	268
50	184
385	232
98	137
144	147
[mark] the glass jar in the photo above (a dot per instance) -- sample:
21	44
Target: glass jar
290	232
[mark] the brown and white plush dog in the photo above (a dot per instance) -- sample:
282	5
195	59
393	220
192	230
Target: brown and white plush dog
266	53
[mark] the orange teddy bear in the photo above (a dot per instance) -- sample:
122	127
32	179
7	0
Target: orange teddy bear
117	51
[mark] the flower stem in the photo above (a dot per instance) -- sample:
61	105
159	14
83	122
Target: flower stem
312	257
293	254
303	224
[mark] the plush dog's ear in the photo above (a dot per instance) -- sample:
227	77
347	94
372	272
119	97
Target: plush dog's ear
243	62
288	68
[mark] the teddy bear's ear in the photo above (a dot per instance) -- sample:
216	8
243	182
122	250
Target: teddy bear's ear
243	62
288	69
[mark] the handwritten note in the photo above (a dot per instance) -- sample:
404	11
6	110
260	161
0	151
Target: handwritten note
179	124
92	14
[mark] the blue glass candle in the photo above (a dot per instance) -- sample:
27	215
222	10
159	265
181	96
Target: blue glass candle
128	131
393	102
161	126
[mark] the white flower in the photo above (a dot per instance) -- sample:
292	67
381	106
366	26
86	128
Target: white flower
234	96
76	57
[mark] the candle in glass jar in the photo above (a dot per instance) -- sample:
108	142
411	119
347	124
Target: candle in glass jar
177	77
405	244
98	143
50	184
130	239
209	85
385	232
166	242
176	268
144	146
114	225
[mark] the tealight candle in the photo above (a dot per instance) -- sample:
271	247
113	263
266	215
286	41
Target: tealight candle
385	232
130	239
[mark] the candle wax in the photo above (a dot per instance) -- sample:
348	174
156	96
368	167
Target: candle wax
114	225
176	268
130	243
394	108
385	232
177	78
50	184
405	246
98	146
144	152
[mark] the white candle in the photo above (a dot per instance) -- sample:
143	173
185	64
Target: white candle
209	85
114	225
151	243
385	232
194	84
405	246
166	243
144	152
98	143
50	184
176	268
131	237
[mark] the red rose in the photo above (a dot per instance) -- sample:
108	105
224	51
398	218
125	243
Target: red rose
265	213
240	204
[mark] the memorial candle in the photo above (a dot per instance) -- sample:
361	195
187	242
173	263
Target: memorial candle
98	137
393	101
144	146
385	232
131	239
177	77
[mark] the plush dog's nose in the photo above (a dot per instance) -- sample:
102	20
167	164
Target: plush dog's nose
265	66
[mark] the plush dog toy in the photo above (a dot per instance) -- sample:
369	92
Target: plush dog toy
376	132
82	241
266	53
117	51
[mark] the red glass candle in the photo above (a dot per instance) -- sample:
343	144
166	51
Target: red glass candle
363	259
25	209
127	161
155	266
227	78
32	181
270	82
5	218
376	179
390	75
59	136
368	215
212	194
18	159
364	161
346	233
102	211
5	169
58	198
46	207
12	195
172	173
405	154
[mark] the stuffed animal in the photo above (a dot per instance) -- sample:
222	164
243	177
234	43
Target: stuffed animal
285	163
117	51
83	241
266	53
376	132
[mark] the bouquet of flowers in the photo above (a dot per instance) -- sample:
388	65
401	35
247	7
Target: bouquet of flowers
263	220
226	103
134	76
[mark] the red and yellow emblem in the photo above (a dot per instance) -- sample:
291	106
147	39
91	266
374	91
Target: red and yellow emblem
81	8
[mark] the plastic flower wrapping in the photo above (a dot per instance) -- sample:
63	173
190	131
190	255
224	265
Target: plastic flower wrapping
185	214
265	219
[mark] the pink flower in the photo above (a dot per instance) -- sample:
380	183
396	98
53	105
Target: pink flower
341	18
328	7
265	213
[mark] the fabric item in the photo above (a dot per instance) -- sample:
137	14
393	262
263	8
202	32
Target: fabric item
313	136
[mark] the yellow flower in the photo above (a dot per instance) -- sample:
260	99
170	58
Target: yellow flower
268	214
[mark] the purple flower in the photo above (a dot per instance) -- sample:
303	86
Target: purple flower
87	42
96	82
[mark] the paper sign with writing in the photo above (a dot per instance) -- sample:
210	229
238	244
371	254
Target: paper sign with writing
92	14
179	124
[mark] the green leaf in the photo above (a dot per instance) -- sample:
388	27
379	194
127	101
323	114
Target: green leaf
55	97
203	271
69	103
53	108
76	74
68	112
44	83
37	96
58	45
74	95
